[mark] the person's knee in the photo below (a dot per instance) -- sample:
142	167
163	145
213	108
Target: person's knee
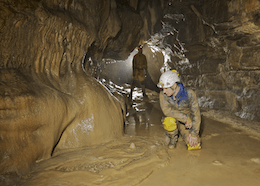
169	124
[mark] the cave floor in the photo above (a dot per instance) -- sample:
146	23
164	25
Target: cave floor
229	156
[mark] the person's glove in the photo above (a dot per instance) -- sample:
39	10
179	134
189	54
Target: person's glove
193	141
188	123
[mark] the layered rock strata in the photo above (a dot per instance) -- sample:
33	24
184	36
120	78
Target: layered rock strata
48	101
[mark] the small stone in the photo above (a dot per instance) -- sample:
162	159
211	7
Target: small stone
217	163
256	160
132	146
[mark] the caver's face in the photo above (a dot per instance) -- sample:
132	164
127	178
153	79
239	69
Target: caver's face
170	91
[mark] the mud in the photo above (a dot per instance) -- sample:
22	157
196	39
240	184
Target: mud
115	163
229	156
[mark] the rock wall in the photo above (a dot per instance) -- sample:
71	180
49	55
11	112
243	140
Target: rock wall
215	49
48	101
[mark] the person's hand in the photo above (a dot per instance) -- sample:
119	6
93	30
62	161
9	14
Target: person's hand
188	125
193	141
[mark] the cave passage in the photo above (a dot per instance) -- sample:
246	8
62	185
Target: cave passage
66	117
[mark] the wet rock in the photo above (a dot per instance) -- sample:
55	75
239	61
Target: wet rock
256	160
128	37
216	162
132	146
221	47
47	101
39	120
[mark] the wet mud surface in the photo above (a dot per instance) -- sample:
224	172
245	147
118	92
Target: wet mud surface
114	163
229	156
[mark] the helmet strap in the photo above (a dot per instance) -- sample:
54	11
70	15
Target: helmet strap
174	89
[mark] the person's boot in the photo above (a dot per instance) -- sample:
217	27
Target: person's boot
172	143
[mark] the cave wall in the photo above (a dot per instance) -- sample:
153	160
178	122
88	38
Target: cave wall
48	101
226	70
215	48
129	35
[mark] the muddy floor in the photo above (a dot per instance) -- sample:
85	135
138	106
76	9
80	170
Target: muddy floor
229	156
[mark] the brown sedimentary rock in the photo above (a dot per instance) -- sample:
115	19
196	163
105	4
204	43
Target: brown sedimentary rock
119	47
47	101
220	39
33	116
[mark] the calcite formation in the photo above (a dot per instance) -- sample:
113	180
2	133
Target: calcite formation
48	101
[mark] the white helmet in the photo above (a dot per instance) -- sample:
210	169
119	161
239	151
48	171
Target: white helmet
168	79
